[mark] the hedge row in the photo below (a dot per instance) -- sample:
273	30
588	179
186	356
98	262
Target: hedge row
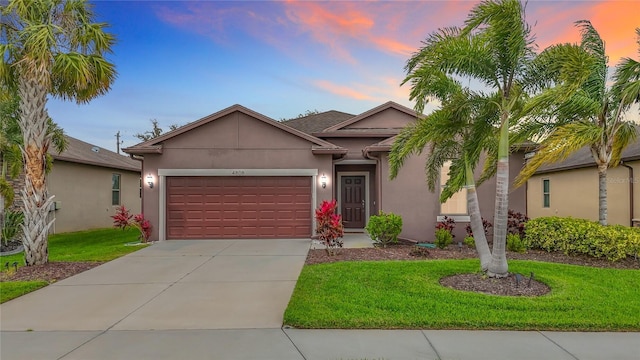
579	236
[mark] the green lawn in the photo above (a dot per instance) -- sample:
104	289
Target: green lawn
407	295
95	245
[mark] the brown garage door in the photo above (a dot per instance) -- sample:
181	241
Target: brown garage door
238	207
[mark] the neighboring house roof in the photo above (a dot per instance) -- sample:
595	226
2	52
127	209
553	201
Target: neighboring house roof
155	145
583	158
82	152
318	122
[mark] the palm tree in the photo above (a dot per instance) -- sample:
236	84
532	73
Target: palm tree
494	48
455	132
592	114
49	48
11	142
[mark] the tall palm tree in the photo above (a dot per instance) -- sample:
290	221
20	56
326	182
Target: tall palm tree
11	142
49	48
457	132
591	114
495	49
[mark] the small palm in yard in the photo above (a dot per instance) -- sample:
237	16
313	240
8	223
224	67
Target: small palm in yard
49	48
590	115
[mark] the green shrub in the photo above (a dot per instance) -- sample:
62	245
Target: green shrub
470	242
11	227
579	236
384	228
443	238
515	243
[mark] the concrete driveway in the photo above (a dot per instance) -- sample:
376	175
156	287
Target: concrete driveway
172	285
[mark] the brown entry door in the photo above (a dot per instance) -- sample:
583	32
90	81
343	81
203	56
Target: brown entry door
352	200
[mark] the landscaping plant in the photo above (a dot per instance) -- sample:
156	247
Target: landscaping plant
123	219
444	238
580	236
384	228
516	222
11	226
329	226
515	243
447	224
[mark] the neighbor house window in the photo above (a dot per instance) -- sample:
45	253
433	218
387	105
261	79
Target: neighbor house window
545	193
115	189
457	204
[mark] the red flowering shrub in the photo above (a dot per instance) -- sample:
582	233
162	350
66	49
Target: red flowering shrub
122	219
143	225
447	224
329	226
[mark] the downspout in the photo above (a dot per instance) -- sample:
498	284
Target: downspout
631	181
140	158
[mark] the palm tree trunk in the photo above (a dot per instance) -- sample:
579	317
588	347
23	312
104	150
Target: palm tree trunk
33	123
498	266
477	227
602	194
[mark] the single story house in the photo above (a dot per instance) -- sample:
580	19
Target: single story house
89	183
570	188
240	174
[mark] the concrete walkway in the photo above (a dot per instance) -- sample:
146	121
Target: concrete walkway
225	299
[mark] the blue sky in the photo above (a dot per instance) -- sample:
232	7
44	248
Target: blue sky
178	61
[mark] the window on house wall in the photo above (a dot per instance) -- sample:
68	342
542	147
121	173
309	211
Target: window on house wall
115	189
545	193
457	204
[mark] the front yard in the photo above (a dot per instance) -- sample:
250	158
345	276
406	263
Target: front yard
68	254
408	295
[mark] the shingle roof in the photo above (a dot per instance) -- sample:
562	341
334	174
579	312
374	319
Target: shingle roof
583	158
318	122
82	152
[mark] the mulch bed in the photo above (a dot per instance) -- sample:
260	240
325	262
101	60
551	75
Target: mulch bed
50	272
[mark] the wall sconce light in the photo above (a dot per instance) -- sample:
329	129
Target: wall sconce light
323	180
150	181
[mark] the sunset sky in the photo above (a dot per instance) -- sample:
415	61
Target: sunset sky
178	61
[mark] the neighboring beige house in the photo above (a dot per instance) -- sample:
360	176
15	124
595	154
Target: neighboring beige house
239	174
570	188
89	183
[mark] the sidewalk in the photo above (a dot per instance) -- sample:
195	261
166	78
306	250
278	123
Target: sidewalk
294	344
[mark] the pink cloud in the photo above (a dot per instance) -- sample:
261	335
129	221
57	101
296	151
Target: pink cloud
614	20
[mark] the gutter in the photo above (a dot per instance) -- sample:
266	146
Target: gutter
631	181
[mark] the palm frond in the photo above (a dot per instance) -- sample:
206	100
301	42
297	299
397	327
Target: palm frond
624	136
564	141
592	43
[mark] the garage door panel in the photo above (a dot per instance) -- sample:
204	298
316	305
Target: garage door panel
238	207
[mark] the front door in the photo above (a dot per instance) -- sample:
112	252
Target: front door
352	200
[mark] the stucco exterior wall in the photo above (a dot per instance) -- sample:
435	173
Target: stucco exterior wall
408	195
235	141
83	193
389	118
575	193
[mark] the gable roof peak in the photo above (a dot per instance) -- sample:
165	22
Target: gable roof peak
375	110
155	145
